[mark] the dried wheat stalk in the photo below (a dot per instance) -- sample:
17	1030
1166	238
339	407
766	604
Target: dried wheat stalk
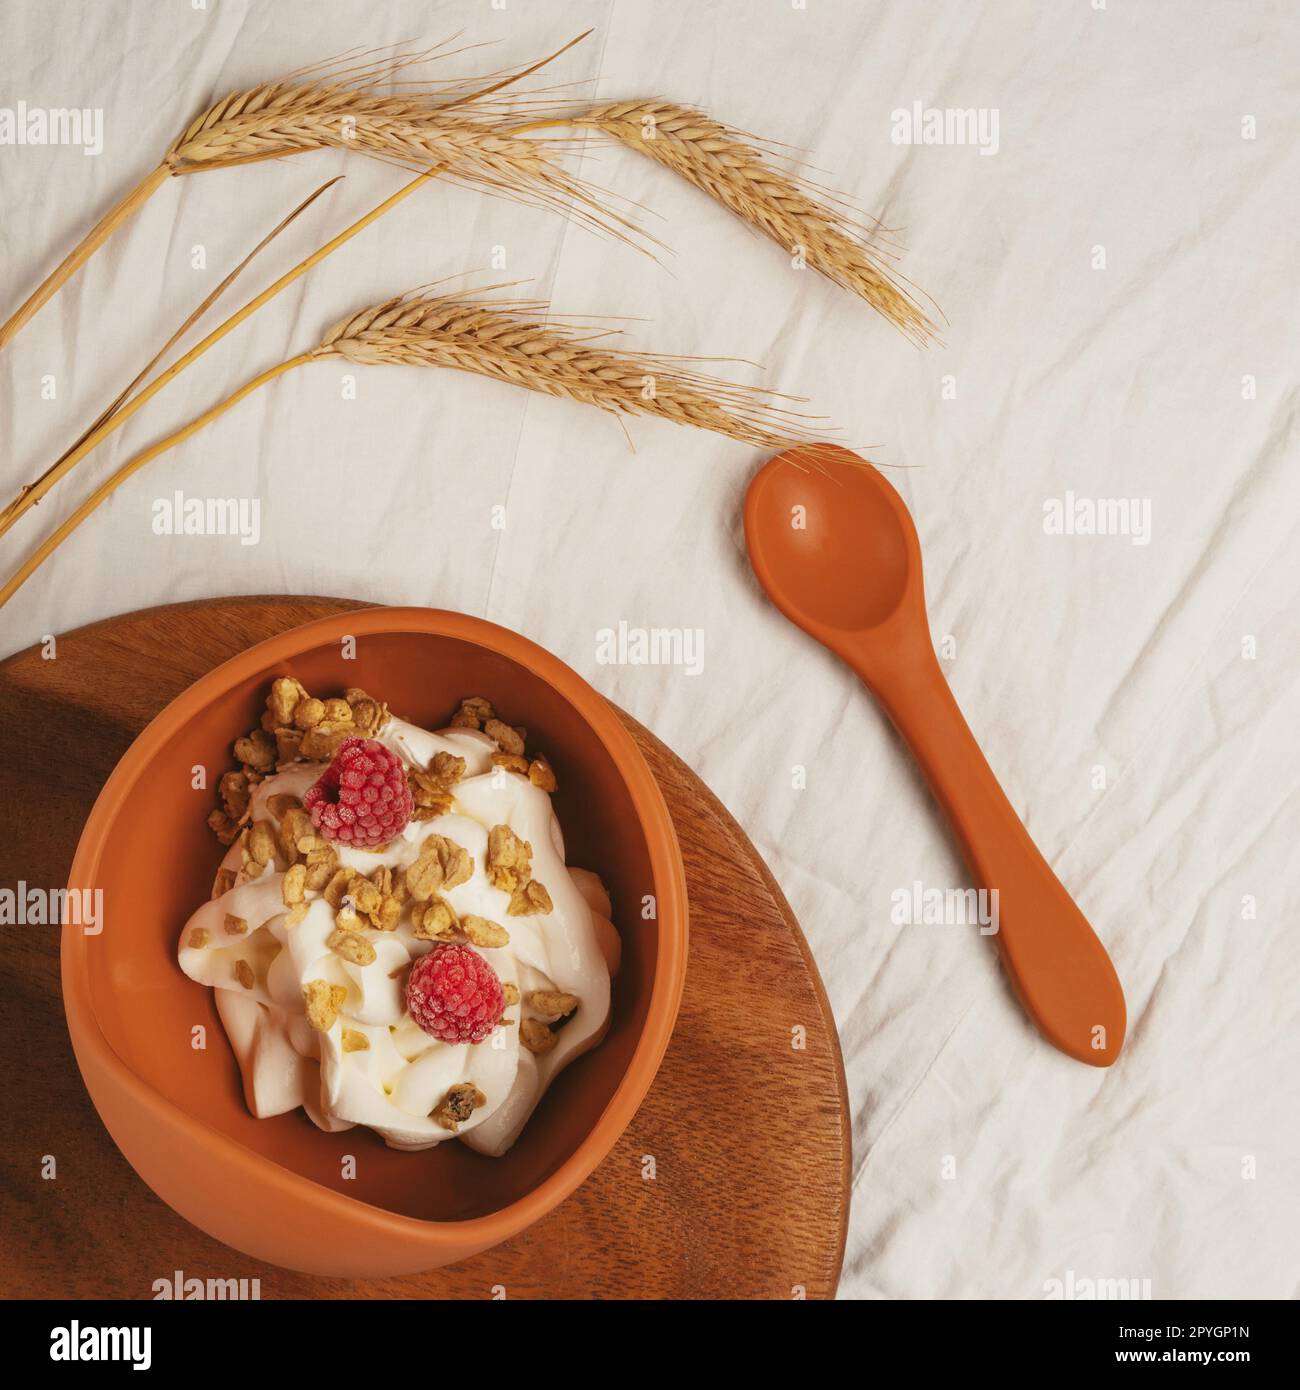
497	340
452	126
127	404
736	173
500	340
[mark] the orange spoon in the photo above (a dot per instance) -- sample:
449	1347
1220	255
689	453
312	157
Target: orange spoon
835	548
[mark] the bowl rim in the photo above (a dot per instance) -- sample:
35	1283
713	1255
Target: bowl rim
667	869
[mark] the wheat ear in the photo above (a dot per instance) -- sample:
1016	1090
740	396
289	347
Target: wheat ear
721	163
504	340
498	341
421	126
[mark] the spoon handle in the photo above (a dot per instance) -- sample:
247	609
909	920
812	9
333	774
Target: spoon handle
1057	965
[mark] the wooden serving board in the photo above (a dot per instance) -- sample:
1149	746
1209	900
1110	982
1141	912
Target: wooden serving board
749	1140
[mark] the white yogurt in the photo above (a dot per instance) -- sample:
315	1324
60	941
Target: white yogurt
395	1085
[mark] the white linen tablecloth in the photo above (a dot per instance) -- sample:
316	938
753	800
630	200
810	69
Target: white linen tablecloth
1120	281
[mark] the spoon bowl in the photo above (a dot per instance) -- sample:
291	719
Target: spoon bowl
829	540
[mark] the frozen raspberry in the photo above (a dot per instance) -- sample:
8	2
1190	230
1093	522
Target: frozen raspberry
454	995
362	799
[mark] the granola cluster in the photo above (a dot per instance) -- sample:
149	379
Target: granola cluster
443	864
477	713
323	1001
288	842
431	788
459	1105
295	726
510	868
552	1009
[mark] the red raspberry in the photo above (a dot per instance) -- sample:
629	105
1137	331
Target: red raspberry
362	798
454	995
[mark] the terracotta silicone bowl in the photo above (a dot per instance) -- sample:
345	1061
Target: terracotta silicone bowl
274	1188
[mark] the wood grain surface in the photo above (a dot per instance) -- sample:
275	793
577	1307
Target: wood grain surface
749	1137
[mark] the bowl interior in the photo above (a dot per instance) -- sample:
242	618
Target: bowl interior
159	859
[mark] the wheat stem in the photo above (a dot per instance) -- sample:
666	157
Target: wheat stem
197	313
33	492
110	484
76	258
